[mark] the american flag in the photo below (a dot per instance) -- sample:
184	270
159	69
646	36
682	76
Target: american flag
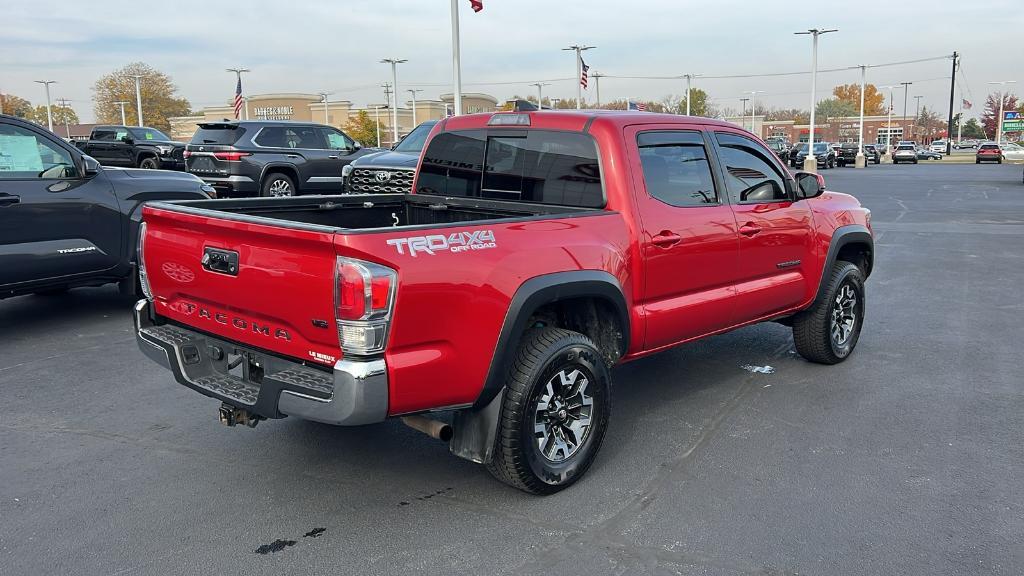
638	106
583	74
238	98
477	5
967	105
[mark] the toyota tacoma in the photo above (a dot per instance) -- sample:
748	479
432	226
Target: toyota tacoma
535	251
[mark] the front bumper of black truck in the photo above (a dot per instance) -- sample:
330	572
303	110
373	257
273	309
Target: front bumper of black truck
354	392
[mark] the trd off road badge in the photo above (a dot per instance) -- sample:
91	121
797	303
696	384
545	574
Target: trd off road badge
455	242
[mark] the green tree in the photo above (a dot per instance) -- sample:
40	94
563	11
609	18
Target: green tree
874	101
972	129
834	108
362	128
61	115
15	105
698	103
928	124
159	97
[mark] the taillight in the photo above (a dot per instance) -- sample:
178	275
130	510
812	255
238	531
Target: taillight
140	257
364	298
186	154
230	156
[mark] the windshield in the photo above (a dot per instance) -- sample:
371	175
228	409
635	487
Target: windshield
148	134
413	143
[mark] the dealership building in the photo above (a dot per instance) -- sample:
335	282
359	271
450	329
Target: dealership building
337	113
844	129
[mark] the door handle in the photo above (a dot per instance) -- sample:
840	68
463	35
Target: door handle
666	238
750	229
333	157
291	155
7	200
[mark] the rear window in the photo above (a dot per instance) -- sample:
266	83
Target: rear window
905	147
989	146
225	135
538	166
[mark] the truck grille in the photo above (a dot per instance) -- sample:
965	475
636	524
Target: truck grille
178	154
365	181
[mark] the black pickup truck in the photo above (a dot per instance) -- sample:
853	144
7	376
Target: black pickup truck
134	147
846	155
65	221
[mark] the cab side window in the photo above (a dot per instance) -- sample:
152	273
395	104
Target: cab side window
676	168
25	156
750	175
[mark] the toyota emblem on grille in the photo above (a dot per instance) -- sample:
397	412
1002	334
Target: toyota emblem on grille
382	176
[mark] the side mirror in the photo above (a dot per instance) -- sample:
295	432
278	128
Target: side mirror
766	191
90	167
809	185
356	145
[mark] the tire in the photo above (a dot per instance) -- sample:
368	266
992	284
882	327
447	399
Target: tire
976	161
824	333
277	184
915	161
1000	161
149	163
551	356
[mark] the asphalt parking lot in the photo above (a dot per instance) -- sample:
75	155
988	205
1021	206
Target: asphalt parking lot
906	459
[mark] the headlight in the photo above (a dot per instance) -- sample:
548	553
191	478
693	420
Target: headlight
210	190
346	171
164	150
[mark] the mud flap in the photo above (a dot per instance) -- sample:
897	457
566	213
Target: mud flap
476	429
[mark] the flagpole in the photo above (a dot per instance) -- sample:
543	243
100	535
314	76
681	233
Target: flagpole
579	76
456	63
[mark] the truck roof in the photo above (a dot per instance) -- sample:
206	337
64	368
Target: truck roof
578	119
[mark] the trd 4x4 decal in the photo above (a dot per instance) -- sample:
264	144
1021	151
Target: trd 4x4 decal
455	242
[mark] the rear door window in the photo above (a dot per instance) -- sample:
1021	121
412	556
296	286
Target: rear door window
537	166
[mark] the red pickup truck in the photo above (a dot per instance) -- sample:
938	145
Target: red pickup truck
535	251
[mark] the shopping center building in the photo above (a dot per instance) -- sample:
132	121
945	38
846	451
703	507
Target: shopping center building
337	113
844	129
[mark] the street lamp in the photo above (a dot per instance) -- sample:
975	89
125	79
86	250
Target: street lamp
917	115
810	162
887	157
860	161
689	89
238	76
121	103
138	94
49	113
323	96
597	87
743	111
394	83
414	92
540	92
906	90
579	70
1002	97
753	107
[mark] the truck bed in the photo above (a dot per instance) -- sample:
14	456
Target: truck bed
347	213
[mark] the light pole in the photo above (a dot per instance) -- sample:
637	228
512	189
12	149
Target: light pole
753	107
138	94
579	70
121	103
917	114
456	64
414	92
860	161
49	113
323	96
64	108
689	89
238	91
540	92
887	157
906	91
597	87
1002	97
810	162
394	82
743	111
376	118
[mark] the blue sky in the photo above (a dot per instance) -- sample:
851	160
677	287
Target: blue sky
335	46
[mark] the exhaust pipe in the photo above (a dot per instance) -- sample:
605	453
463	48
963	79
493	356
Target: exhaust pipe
432	428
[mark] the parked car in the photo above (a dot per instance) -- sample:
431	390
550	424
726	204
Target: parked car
823	153
527	263
1012	151
390	170
66	221
133	147
938	146
904	153
846	154
965	143
988	152
874	152
926	154
781	149
271	158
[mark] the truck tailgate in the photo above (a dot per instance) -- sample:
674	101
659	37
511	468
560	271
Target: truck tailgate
278	297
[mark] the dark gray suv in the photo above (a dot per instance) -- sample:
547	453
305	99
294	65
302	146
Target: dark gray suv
271	158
